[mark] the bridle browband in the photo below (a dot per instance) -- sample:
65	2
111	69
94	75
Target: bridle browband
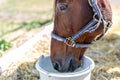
90	27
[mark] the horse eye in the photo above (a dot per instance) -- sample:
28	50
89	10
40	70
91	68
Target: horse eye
63	6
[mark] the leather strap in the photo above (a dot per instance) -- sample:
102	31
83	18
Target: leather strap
90	27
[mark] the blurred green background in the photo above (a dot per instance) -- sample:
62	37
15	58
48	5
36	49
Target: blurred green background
17	14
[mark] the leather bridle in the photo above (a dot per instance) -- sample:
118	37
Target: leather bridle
90	27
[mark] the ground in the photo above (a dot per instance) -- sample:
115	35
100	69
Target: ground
105	53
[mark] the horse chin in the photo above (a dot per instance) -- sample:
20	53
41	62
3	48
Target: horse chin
74	65
72	68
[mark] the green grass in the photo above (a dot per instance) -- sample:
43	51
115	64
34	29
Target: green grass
4	45
7	26
34	24
34	13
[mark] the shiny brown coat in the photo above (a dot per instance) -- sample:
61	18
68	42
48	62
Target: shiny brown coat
69	21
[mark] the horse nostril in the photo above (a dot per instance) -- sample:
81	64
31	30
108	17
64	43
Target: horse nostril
56	65
63	7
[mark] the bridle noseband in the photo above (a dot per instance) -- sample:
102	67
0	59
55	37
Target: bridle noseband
90	27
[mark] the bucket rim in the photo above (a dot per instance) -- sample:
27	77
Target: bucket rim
73	74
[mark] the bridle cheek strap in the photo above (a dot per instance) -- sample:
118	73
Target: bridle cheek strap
90	27
68	41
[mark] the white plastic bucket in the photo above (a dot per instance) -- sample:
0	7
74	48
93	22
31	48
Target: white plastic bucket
47	72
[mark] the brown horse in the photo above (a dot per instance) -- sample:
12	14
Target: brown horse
72	16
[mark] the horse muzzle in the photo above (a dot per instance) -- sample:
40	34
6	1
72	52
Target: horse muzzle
67	65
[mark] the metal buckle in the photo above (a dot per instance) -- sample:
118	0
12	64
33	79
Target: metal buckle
109	24
69	42
95	17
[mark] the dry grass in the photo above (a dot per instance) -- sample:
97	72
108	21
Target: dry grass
24	68
105	53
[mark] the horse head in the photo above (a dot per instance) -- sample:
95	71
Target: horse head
71	17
